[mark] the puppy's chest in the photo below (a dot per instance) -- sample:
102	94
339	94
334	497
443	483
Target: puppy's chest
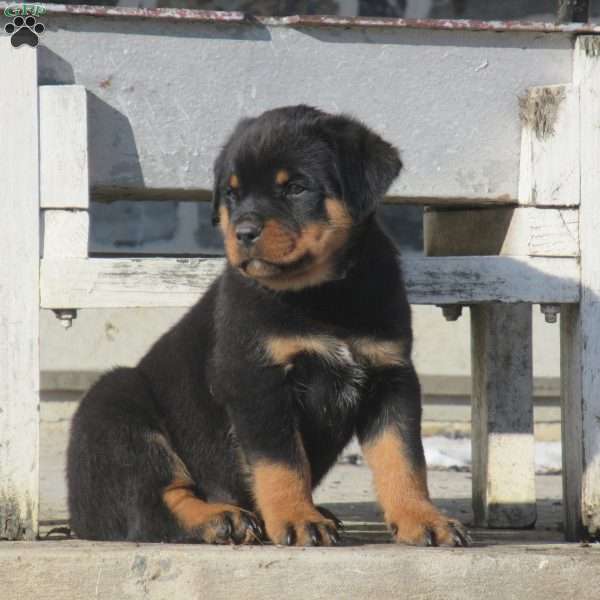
331	371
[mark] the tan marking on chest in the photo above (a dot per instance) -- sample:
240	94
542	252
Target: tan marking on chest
283	349
381	353
378	353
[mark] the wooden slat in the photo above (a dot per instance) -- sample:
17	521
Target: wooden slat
64	179
476	279
549	164
502	416
453	115
580	338
148	282
66	233
19	293
506	231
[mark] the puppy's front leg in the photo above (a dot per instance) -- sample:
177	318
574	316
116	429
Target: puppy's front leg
280	471
390	435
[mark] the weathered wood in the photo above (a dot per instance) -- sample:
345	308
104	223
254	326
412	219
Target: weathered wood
65	233
452	115
64	181
581	332
571	418
146	282
506	231
502	416
573	11
549	165
19	293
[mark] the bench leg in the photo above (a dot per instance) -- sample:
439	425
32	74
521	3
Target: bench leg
580	324
502	416
19	294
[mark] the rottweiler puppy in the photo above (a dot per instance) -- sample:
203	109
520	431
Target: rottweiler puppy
225	427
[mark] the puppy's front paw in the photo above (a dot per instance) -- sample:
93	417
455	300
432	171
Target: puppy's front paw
421	524
303	528
228	525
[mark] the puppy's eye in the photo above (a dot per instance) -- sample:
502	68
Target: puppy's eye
294	189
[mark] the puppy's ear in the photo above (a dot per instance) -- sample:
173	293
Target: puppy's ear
367	164
225	161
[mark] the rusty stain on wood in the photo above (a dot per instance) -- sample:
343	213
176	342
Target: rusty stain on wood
235	17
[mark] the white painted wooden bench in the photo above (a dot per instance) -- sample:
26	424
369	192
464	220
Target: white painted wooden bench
543	200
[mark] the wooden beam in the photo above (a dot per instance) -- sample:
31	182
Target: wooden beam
502	416
148	282
19	293
549	162
65	233
63	147
573	11
580	339
506	231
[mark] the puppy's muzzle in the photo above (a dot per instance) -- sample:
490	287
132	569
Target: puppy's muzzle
248	232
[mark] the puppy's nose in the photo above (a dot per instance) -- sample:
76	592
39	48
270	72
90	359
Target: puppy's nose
248	232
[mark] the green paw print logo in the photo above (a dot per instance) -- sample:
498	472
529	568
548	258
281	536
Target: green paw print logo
24	30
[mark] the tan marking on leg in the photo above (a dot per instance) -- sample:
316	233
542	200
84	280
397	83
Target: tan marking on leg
283	349
282	177
284	498
205	519
402	492
381	353
196	516
234	181
180	470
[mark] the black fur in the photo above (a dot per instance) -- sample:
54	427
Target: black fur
206	386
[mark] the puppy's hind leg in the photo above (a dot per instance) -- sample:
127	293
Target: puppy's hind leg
125	480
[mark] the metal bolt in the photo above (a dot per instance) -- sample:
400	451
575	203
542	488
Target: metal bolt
550	311
451	312
66	316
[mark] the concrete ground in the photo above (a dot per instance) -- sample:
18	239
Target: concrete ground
532	564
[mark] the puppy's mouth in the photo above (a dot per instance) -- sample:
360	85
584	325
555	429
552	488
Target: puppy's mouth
259	268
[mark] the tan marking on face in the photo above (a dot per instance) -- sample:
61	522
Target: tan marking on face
234	181
381	353
276	242
283	349
321	241
282	246
402	491
229	238
282	177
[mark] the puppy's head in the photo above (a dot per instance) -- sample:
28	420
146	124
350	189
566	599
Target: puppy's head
290	188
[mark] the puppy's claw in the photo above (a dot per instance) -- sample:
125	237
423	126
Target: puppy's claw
313	534
290	538
430	537
329	515
461	537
